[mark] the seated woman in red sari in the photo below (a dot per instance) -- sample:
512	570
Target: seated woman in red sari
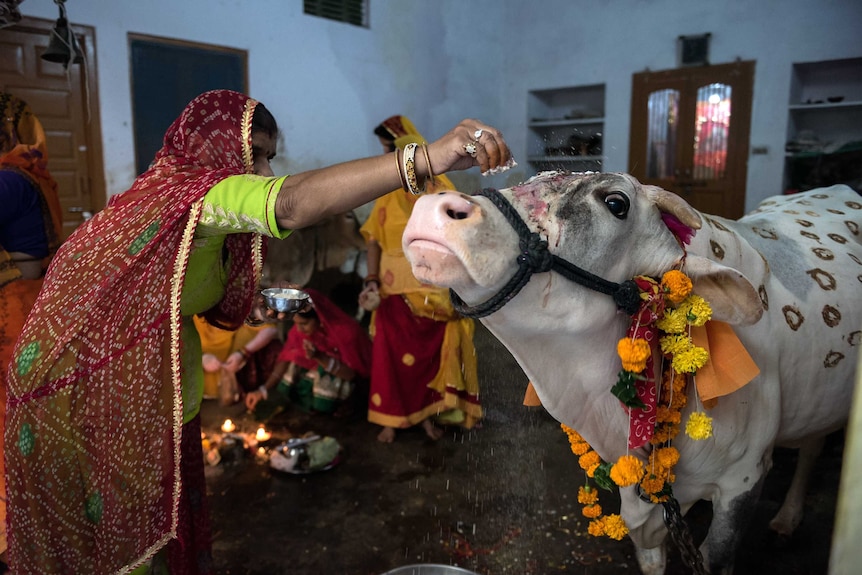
106	380
327	355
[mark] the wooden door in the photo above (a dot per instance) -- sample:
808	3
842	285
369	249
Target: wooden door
689	133
67	104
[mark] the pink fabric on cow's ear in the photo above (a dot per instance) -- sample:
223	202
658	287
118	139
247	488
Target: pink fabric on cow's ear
682	232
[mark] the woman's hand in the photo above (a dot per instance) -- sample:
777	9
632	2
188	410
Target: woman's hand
369	297
234	362
252	398
470	143
310	351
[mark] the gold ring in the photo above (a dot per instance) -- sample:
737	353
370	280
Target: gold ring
470	149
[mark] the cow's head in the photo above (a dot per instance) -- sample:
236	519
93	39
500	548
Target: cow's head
608	225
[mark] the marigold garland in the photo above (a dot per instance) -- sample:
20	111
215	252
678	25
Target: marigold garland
682	310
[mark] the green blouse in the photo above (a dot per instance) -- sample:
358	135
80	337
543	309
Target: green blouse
237	204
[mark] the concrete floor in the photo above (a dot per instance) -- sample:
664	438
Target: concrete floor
497	500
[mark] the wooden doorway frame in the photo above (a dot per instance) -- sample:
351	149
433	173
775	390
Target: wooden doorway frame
726	196
86	36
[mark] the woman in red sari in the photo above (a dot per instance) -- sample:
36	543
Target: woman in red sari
105	383
424	366
30	230
326	356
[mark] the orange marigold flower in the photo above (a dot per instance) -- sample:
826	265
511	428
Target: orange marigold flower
628	470
615	527
664	433
596	528
573	435
587	495
580	447
592	511
667	456
666	415
652	484
589	459
676	285
634	353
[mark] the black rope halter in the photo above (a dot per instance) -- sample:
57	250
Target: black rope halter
535	258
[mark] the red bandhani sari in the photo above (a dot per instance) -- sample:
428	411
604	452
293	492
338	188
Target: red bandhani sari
95	438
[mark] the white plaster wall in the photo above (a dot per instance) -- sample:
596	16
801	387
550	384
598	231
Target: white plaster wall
327	83
438	61
556	43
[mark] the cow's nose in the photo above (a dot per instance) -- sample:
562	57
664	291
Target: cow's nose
458	206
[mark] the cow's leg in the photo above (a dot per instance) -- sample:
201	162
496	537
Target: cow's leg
789	516
652	561
730	518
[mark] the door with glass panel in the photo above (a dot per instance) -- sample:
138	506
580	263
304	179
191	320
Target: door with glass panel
689	133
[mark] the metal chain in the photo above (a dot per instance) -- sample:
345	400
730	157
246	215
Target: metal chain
681	536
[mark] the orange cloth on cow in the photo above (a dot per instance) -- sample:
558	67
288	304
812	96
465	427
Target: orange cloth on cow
424	360
729	366
531	398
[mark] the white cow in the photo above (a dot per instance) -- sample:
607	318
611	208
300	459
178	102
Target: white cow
786	277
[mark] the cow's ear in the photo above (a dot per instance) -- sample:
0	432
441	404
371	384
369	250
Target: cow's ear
731	295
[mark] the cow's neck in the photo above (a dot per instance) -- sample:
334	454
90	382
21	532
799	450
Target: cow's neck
587	371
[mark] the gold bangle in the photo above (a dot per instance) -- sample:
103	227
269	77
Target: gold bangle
409	162
400	173
430	175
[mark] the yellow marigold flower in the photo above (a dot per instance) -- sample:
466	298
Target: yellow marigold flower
591	470
673	321
589	459
580	447
675	343
676	285
699	426
587	495
667	457
628	470
652	484
691	360
592	511
667	415
699	311
596	528
615	527
634	353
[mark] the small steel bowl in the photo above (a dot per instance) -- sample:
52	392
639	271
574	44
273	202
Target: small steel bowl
285	299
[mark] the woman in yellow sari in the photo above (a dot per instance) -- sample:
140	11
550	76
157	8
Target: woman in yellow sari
423	360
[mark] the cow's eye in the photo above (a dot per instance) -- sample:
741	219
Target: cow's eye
618	204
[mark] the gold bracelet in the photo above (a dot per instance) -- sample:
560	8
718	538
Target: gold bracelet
400	173
409	163
430	176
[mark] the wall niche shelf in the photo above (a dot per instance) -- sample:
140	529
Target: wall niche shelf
824	127
565	128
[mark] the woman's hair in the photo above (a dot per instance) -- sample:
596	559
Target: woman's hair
264	121
310	313
381	132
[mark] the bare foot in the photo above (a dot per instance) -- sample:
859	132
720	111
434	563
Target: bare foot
432	430
387	435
